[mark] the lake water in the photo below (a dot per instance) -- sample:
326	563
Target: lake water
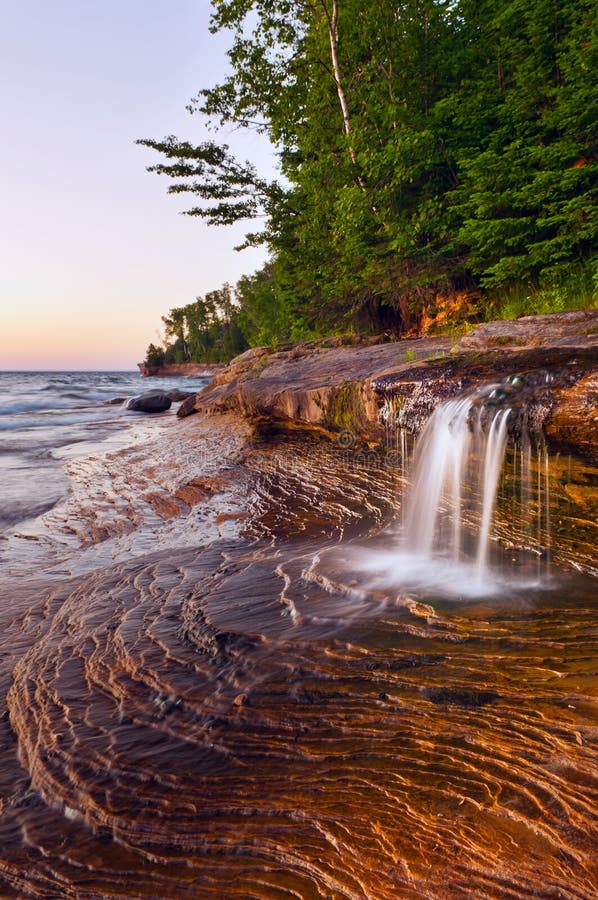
46	417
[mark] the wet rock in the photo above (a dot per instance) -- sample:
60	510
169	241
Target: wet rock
187	407
553	390
574	419
176	395
115	401
408	661
151	402
167	704
467	699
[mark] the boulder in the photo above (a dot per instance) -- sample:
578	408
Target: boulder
151	402
187	407
176	395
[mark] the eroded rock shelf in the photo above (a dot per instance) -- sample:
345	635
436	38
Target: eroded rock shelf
335	386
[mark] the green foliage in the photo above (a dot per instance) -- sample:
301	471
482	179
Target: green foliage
527	191
424	146
575	289
154	356
207	330
267	312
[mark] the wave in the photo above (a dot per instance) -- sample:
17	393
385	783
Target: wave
16	409
94	417
23	511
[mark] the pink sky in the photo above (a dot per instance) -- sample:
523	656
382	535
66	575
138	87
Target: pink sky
92	251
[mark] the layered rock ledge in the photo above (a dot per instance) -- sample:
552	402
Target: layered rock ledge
181	370
363	386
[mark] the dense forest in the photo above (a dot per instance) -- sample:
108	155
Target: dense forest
429	149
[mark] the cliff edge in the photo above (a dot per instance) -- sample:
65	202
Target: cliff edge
363	387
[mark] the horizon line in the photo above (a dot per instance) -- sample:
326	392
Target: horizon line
35	371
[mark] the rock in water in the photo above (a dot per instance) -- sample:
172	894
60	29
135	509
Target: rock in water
176	395
151	402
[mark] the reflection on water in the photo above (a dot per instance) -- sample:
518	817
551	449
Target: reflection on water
265	710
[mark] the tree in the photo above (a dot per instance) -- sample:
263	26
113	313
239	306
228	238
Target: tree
527	192
424	145
206	330
154	356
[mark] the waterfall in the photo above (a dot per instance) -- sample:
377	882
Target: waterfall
496	443
475	488
458	460
440	454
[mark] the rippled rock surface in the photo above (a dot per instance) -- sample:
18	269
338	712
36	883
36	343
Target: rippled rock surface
251	713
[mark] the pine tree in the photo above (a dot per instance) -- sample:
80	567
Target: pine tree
527	192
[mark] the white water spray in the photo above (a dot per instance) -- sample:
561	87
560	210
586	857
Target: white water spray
440	454
453	484
493	458
458	460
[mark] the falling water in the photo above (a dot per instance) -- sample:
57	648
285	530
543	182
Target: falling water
496	443
441	453
458	460
459	453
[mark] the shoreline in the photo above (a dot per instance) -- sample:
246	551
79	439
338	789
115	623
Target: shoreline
181	370
45	416
135	492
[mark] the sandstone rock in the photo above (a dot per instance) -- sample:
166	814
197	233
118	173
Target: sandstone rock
181	370
574	419
361	387
578	327
552	389
151	402
311	384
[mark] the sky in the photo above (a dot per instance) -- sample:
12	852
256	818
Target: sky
93	250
